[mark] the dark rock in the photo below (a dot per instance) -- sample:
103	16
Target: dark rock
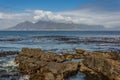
8	53
11	39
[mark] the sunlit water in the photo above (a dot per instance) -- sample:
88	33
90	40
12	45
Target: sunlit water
15	41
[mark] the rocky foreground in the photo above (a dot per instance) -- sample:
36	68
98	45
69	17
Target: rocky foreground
41	65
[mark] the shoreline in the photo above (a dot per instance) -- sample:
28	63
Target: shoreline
40	64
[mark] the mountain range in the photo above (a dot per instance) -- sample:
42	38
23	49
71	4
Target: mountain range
49	25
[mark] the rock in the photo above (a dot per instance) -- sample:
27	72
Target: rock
78	56
41	65
103	65
68	56
60	77
71	68
8	53
11	39
54	67
36	76
82	52
49	76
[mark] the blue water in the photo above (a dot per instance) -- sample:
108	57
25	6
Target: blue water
31	39
51	41
5	34
45	43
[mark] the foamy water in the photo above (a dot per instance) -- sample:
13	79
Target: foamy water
9	67
24	77
8	64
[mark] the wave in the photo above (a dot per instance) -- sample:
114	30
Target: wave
11	39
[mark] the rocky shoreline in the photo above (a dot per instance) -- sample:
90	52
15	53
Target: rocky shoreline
42	65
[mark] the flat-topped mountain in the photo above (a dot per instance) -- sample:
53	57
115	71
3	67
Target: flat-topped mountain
49	25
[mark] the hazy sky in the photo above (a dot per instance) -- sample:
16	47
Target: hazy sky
100	12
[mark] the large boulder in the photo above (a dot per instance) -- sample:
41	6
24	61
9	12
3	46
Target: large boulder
103	65
71	68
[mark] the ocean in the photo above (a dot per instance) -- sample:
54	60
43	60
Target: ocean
54	41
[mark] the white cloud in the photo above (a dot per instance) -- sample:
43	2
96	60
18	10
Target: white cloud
11	19
86	16
47	15
12	15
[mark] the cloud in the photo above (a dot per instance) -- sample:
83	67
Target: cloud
11	19
50	16
11	16
83	16
102	5
87	16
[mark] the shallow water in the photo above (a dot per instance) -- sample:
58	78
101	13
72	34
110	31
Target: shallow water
61	41
79	76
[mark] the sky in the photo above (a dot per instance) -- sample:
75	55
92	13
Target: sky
90	12
54	5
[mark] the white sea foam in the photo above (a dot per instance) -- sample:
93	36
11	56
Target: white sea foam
8	64
24	77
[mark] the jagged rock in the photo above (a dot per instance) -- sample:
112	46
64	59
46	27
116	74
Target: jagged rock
82	52
104	64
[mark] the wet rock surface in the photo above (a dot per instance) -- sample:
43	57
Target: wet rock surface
41	65
11	39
